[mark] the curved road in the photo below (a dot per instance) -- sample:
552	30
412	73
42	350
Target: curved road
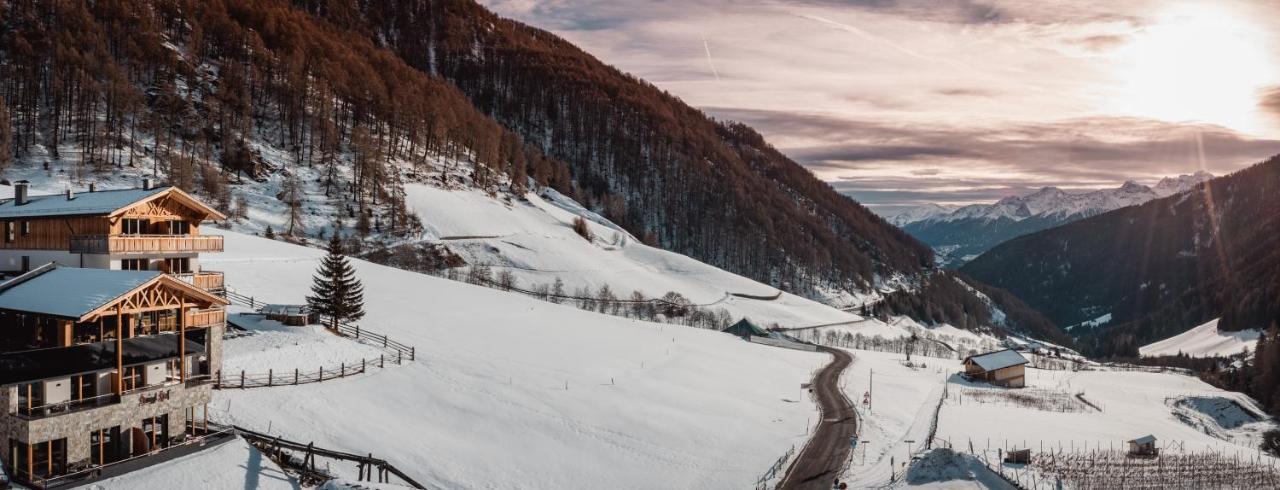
821	460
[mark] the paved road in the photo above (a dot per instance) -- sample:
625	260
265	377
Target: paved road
821	460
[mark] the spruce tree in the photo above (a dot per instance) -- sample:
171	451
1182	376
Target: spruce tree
336	293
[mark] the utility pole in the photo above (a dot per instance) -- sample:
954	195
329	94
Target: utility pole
871	384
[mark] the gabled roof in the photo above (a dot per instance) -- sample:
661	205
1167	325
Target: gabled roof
744	328
1147	439
75	293
1001	359
107	203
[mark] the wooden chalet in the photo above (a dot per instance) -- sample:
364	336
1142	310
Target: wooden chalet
148	228
100	365
1144	446
1000	368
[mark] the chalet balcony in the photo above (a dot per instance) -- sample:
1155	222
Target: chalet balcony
206	318
126	244
207	280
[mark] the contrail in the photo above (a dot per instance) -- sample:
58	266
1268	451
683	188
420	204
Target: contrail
866	35
707	47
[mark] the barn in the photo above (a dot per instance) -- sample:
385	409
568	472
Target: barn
1000	368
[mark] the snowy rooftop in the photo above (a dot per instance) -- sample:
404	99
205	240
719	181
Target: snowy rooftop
97	202
1147	439
69	292
999	360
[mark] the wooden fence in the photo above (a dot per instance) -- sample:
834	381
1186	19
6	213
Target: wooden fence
279	450
299	377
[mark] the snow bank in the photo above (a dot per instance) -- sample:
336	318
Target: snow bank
233	464
1203	341
271	345
486	405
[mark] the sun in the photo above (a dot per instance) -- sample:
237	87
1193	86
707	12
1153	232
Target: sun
1199	63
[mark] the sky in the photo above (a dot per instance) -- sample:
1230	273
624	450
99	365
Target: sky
904	102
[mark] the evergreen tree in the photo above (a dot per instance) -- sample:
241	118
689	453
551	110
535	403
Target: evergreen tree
336	293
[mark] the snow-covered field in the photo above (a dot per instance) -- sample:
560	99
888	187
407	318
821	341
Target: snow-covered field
535	241
231	465
486	405
270	345
1185	414
1203	341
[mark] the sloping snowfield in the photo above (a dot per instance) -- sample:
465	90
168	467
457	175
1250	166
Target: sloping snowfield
534	240
1203	341
231	465
486	404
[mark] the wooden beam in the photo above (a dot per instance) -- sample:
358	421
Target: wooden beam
119	352
182	340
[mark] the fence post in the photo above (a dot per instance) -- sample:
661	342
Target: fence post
413	353
362	365
270	376
242	379
382	360
219	385
384	341
295	376
399	357
321	373
342	373
357	331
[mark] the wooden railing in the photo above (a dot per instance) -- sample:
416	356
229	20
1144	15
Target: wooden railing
206	280
101	244
205	318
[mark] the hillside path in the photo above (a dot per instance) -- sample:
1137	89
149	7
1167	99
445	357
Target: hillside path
822	459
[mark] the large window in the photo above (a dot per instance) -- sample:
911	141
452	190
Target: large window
179	227
30	396
135	264
133	377
8	232
105	446
134	226
156	430
49	458
177	265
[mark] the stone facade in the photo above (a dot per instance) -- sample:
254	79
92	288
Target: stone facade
173	399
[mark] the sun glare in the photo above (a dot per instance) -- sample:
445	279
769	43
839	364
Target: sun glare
1199	63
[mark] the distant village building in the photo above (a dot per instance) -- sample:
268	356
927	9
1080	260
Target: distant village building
1000	368
110	334
745	329
1144	446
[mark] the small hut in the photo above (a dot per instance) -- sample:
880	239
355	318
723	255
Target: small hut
1000	368
292	315
1144	446
745	329
1018	456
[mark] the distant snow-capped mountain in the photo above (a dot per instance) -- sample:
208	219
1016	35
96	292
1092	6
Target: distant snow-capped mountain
960	234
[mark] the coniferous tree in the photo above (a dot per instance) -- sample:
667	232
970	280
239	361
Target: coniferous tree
336	293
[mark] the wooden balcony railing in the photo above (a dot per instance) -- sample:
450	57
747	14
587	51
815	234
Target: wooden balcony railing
101	244
207	280
205	318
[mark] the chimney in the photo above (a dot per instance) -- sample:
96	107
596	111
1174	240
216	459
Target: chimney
71	194
20	192
146	184
93	187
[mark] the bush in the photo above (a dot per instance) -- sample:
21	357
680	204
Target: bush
580	226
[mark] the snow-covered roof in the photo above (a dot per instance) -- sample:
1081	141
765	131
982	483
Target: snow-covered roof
69	292
84	203
1147	439
285	309
992	361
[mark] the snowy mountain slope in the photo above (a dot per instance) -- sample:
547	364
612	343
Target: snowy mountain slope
534	240
486	405
1203	341
961	234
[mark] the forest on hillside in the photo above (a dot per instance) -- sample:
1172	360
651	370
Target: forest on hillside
1159	268
370	92
665	171
196	89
